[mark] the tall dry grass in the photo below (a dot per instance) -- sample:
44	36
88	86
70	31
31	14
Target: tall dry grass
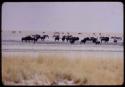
50	69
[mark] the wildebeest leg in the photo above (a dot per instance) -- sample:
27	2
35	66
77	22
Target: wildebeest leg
34	41
115	41
67	40
43	39
80	42
29	41
25	41
106	42
84	41
101	41
98	42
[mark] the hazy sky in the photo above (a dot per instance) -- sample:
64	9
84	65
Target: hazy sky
63	16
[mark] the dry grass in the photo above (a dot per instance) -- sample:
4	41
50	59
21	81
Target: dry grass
49	69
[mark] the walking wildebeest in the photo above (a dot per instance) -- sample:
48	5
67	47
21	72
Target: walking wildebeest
57	37
73	39
29	38
93	39
119	38
36	36
68	38
43	37
106	39
97	42
115	39
63	38
86	39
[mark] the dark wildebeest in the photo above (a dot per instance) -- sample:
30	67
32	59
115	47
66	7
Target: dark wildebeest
73	39
119	38
106	39
36	36
84	40
63	38
68	38
93	39
97	42
57	37
43	37
29	38
116	39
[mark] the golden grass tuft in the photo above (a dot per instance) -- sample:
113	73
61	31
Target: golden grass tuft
47	69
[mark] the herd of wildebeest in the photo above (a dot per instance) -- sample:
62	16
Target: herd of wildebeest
70	39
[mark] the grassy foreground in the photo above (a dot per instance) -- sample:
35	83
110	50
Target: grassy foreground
60	70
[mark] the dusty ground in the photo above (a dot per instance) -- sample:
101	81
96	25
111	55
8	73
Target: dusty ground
65	68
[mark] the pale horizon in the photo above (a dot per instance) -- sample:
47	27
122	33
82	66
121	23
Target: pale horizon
63	16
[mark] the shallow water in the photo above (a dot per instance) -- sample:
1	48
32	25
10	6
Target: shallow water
69	54
17	48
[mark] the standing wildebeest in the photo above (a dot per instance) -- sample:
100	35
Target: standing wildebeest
63	38
88	39
57	37
116	39
43	37
73	39
36	36
29	38
93	39
97	42
84	40
106	39
68	37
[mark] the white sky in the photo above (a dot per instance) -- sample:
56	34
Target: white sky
63	16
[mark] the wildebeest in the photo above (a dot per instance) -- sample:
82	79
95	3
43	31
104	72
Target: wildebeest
36	36
33	38
57	37
105	39
68	38
84	40
116	39
43	37
29	38
73	39
93	39
63	38
97	42
88	39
